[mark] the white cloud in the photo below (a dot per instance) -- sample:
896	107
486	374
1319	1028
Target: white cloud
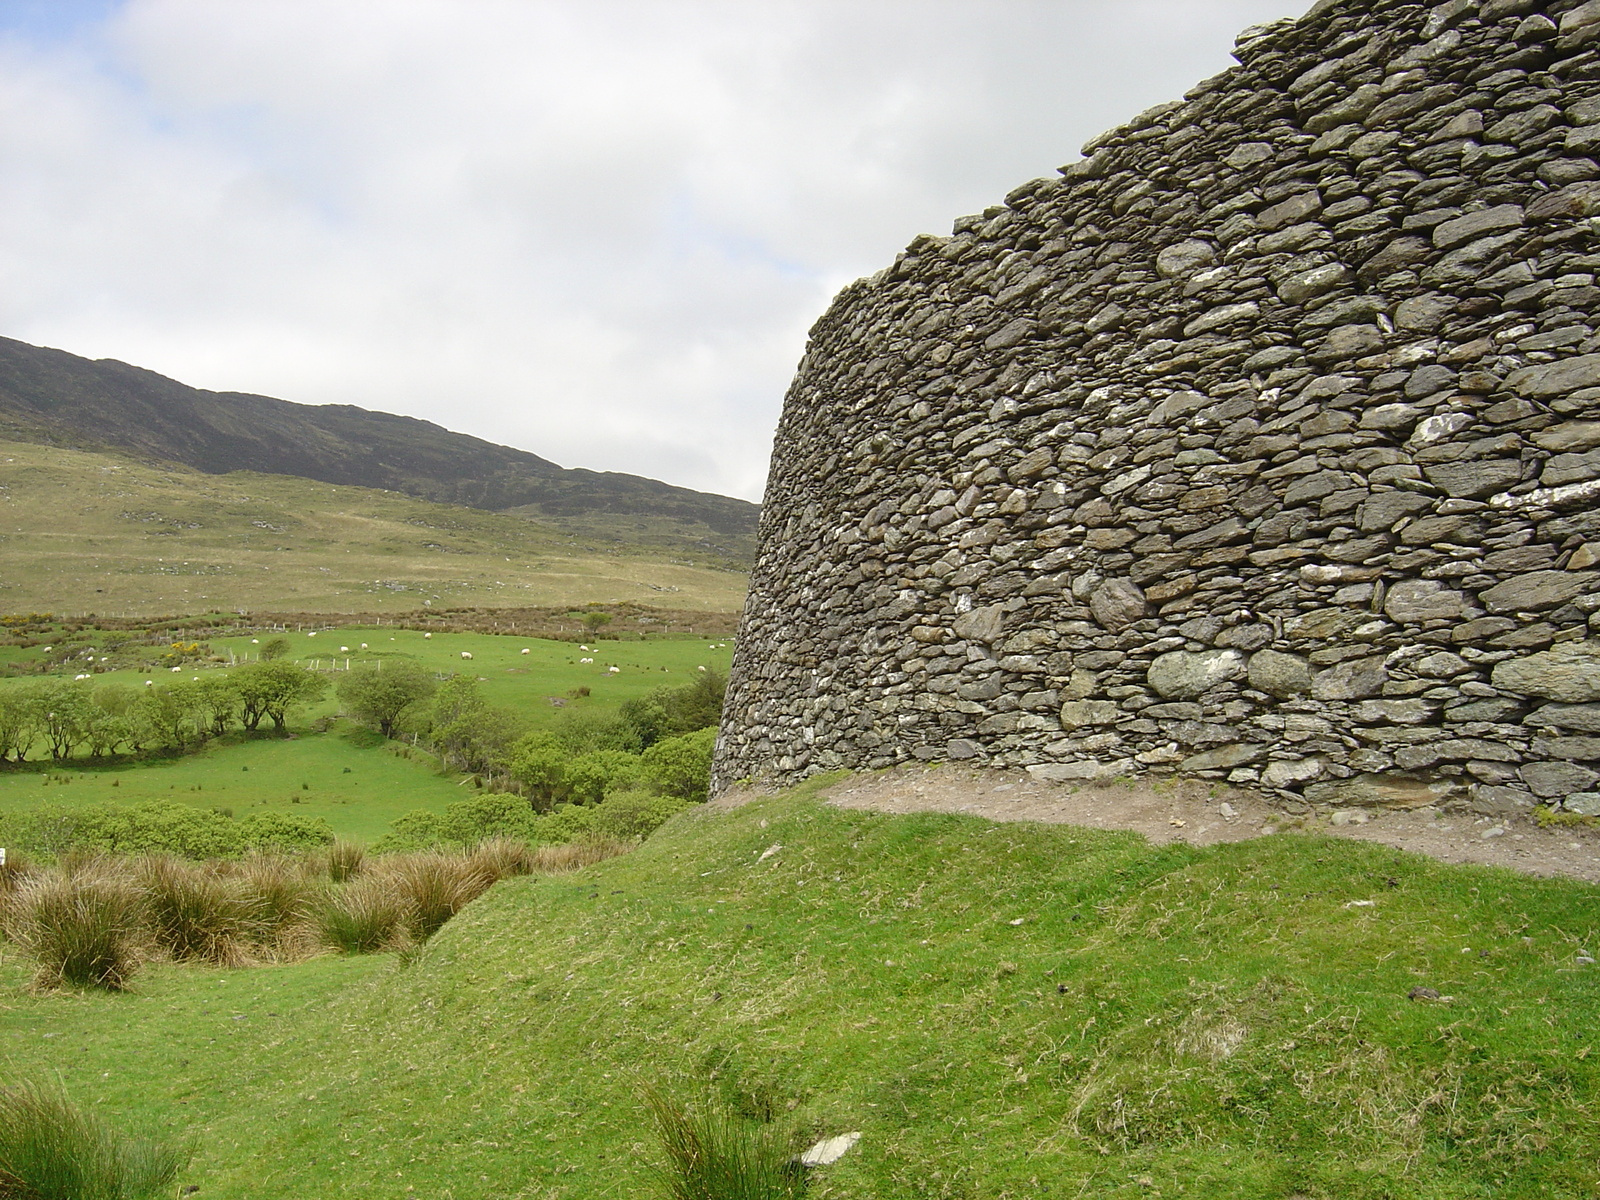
594	229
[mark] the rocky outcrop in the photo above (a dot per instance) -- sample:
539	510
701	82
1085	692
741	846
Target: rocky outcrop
1264	443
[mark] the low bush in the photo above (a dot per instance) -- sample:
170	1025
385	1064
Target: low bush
156	827
50	1149
82	926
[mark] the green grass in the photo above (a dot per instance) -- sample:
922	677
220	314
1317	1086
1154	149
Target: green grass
1002	1011
107	533
356	782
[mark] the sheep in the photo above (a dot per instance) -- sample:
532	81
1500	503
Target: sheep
525	650
427	635
586	660
466	654
344	649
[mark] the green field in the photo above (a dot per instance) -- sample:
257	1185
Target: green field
106	533
348	776
1003	1011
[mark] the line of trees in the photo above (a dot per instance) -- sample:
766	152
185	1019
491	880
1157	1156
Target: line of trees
66	717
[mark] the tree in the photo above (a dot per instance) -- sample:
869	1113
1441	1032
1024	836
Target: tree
65	717
170	714
110	726
538	763
594	622
220	702
271	689
274	649
591	777
20	712
379	697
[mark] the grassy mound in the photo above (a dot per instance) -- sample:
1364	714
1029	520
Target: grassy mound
1000	1010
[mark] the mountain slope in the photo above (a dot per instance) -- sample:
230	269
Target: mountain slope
54	397
104	532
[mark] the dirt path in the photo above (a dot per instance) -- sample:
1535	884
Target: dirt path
1186	810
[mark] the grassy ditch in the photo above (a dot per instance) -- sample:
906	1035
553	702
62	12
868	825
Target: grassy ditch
1000	1010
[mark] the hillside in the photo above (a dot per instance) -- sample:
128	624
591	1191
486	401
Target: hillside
107	533
1001	1010
52	397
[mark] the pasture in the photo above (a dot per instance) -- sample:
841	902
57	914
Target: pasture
336	770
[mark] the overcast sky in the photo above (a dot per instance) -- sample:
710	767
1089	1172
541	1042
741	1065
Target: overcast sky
592	229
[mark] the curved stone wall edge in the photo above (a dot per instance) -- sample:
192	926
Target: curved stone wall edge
1262	444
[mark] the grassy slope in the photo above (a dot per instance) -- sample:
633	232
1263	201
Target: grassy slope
82	532
1001	1010
242	774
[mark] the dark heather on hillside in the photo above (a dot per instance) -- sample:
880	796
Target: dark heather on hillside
52	396
1264	444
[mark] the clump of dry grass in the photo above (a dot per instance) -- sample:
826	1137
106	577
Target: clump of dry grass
574	856
503	858
84	928
283	892
434	886
346	860
363	917
198	913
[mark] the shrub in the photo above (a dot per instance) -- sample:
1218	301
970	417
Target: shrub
681	766
418	829
82	925
634	815
362	918
198	915
434	886
714	1155
52	1150
591	777
345	860
284	831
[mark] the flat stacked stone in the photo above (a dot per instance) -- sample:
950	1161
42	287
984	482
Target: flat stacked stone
1263	444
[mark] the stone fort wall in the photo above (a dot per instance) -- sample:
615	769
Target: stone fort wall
1263	443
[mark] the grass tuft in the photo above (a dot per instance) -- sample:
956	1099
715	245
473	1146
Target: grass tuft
433	886
52	1150
574	856
363	917
715	1155
346	860
503	858
83	929
197	914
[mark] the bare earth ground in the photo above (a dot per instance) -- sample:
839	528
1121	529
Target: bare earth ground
1187	810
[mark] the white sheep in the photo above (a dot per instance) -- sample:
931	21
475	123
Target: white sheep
466	654
525	650
363	645
83	677
427	635
344	649
614	670
586	660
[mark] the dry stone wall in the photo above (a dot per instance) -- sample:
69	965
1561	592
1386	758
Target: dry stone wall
1263	443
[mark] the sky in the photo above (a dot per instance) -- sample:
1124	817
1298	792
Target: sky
593	229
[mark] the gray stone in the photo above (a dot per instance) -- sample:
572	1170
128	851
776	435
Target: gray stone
1224	758
1474	480
1185	258
1384	510
1585	804
982	624
1569	672
1081	770
1558	378
1117	603
1442	665
1318	281
1180	675
1292	772
1397	712
1279	674
1573	435
1483	223
1354	680
1347	342
1537	590
1551	779
1581	748
1082	714
1383	791
1581	718
1415	601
